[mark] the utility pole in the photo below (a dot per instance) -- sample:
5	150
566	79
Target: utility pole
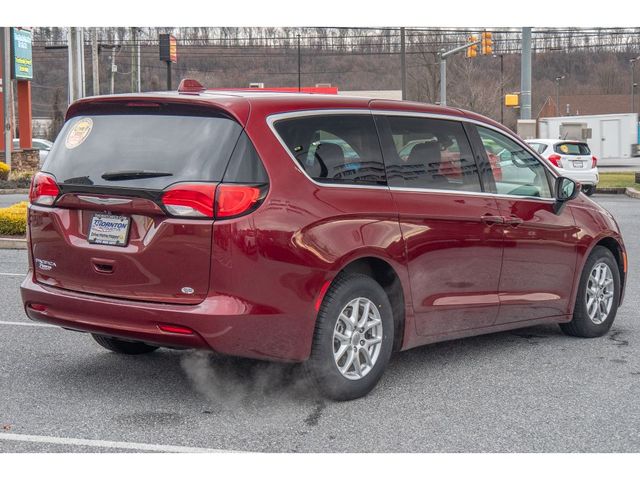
138	65
6	82
299	66
632	62
403	63
95	64
76	64
502	88
133	62
443	79
561	77
113	69
525	75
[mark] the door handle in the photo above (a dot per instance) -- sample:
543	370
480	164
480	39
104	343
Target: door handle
492	219
513	221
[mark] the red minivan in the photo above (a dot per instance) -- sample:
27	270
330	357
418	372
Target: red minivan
290	227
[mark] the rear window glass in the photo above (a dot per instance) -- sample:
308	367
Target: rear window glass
335	148
182	148
572	149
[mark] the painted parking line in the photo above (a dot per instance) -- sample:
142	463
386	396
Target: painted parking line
28	324
12	274
82	442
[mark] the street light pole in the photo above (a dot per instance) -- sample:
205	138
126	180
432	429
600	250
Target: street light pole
6	85
501	86
525	75
561	77
443	68
632	62
299	66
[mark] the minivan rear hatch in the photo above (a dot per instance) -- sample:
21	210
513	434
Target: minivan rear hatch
109	232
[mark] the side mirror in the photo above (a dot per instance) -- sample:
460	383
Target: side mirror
565	190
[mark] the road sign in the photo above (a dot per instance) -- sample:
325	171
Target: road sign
21	56
168	48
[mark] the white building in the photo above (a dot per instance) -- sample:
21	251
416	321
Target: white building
611	136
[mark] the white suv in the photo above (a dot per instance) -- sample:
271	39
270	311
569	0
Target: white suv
572	158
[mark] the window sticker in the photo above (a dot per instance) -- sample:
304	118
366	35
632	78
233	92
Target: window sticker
78	133
564	148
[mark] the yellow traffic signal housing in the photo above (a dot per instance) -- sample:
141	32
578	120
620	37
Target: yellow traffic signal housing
472	51
511	100
487	43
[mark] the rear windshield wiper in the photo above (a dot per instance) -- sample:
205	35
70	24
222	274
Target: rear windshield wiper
133	174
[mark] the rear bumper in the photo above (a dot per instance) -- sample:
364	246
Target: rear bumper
586	177
219	323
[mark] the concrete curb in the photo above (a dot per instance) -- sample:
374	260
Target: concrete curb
14	191
611	190
7	243
632	192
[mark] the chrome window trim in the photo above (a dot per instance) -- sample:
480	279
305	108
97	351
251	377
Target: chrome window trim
472	194
274	117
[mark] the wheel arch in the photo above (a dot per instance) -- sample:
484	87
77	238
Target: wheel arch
386	275
615	247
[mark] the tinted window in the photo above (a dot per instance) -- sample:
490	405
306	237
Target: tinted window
572	148
520	173
335	148
245	165
428	153
189	148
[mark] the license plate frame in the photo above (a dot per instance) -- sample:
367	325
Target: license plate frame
114	230
578	164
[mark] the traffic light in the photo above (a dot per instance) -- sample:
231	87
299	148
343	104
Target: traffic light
472	51
487	43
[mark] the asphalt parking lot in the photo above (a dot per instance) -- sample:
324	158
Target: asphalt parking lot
530	390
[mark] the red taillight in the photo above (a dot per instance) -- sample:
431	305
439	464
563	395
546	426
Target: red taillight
190	199
594	161
43	190
233	200
555	159
198	199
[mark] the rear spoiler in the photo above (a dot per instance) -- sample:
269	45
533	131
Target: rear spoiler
234	107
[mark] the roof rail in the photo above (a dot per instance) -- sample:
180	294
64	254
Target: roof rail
191	86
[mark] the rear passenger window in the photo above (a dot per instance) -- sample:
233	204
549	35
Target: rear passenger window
429	153
335	148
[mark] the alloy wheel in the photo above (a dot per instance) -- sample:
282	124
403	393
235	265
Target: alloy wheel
357	338
600	293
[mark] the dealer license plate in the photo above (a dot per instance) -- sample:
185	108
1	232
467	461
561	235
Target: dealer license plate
109	230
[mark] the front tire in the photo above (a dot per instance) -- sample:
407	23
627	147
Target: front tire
123	346
598	296
353	340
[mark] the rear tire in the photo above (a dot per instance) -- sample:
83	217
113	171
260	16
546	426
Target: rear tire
598	296
589	190
353	339
123	346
